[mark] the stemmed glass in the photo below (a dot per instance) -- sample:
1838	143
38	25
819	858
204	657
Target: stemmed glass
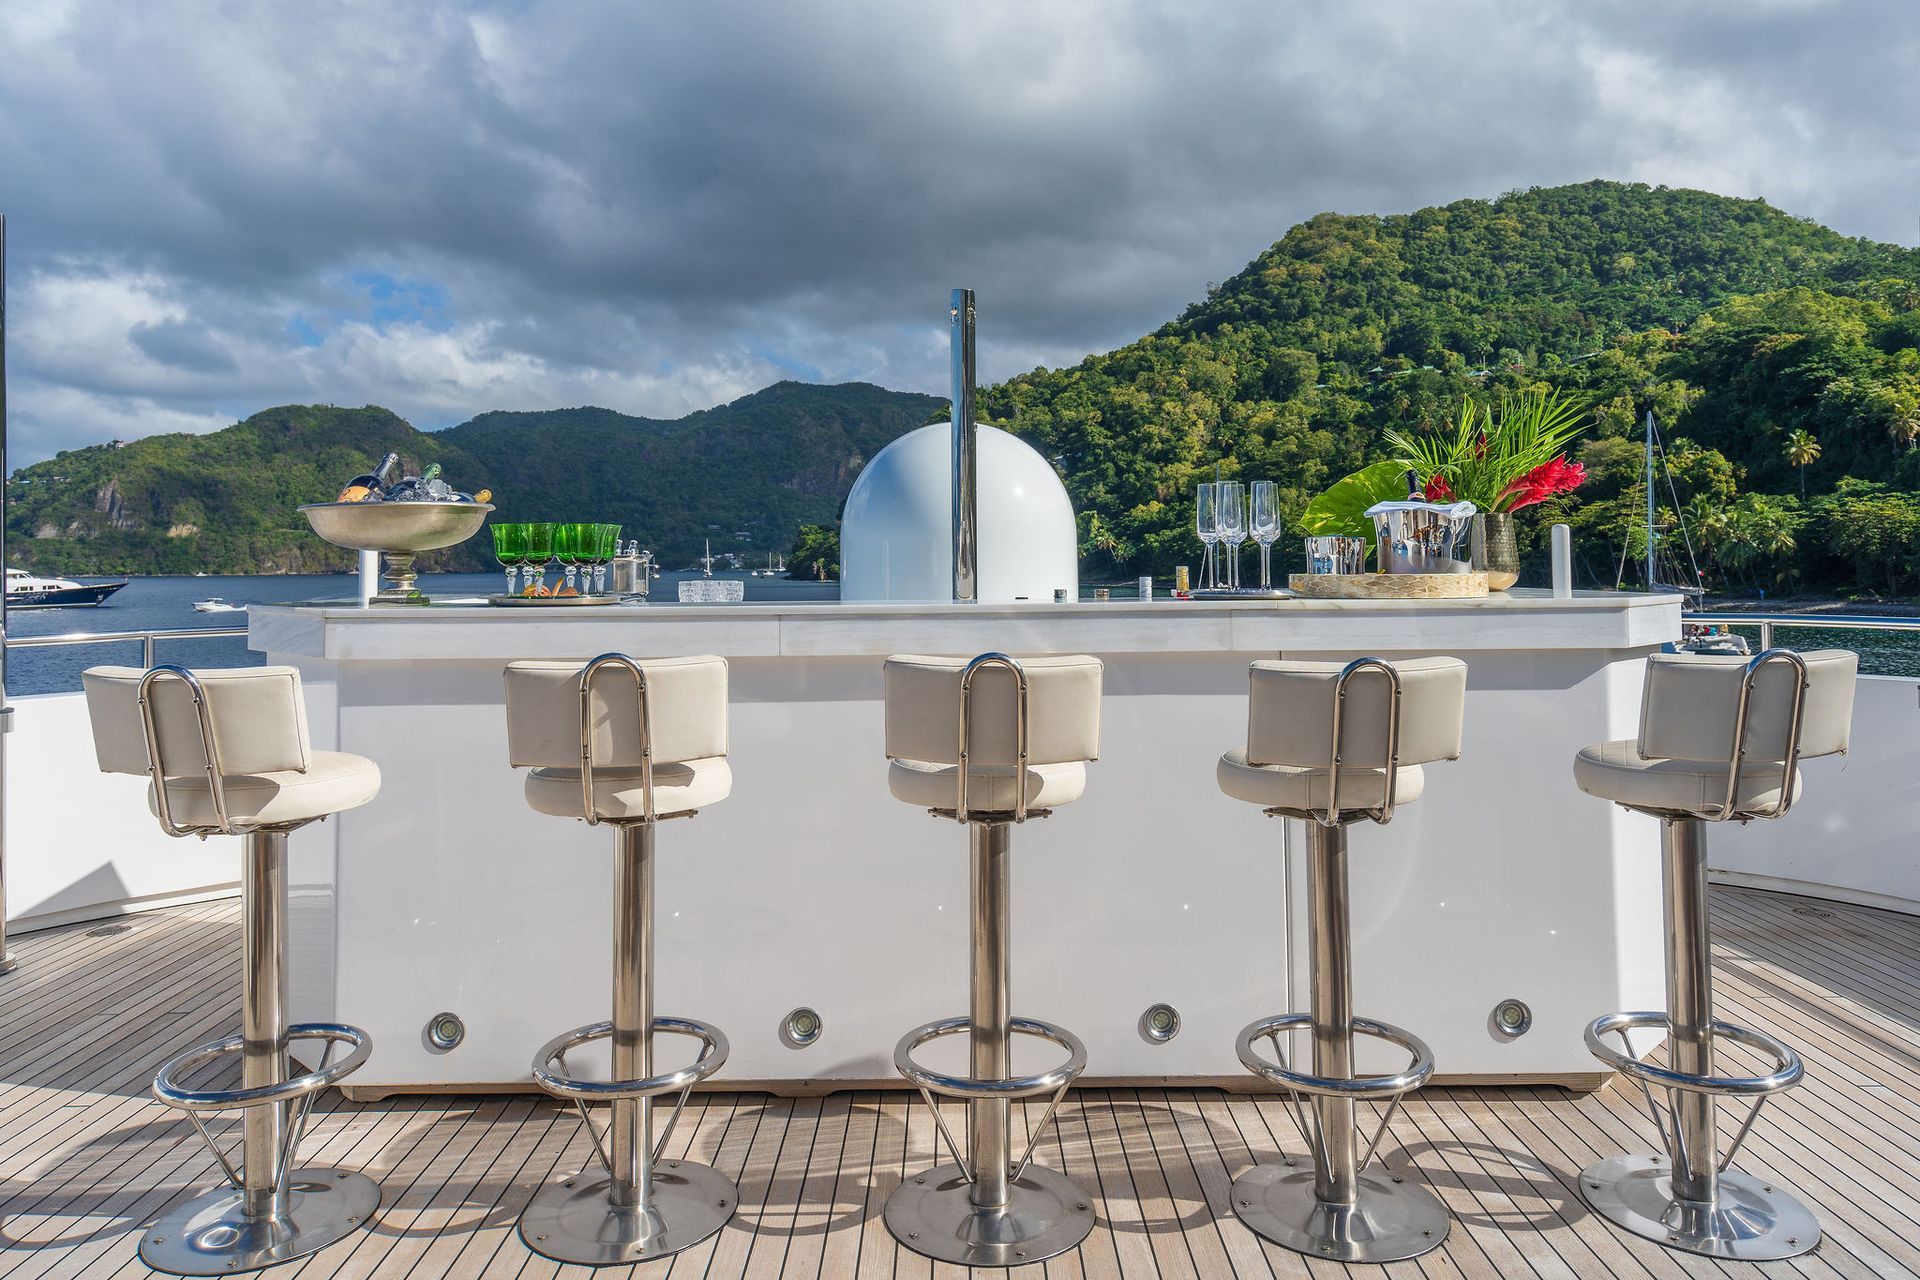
567	540
1206	523
1233	525
606	545
539	551
1266	525
510	549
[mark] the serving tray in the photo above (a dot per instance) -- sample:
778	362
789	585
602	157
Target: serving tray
550	602
1389	586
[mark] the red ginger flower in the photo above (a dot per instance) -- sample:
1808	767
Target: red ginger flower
1543	482
1437	489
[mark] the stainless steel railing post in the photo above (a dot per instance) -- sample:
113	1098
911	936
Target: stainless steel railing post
989	1120
263	1018
966	451
632	1171
1335	1175
1690	1004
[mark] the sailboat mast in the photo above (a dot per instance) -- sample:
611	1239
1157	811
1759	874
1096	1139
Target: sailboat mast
1651	535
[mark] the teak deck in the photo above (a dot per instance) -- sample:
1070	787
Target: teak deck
87	1158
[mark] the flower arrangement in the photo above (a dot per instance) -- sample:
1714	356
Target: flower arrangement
1500	459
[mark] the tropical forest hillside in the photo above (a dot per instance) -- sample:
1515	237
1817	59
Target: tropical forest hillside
1738	325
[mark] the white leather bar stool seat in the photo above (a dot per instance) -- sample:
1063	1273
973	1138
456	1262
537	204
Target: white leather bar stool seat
1617	771
934	786
226	752
679	787
1275	786
332	782
1721	739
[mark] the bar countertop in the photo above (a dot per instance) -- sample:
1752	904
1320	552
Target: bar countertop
1521	619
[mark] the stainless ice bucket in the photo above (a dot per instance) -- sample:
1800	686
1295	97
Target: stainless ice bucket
1412	536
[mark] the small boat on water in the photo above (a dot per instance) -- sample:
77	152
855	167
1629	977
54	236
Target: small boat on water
214	604
29	591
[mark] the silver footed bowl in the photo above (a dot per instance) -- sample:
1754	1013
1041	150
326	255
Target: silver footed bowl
401	530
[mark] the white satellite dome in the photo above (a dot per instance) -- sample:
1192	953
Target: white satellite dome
896	537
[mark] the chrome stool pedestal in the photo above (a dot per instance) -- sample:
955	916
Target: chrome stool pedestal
1019	754
1688	1198
269	1212
639	1206
638	755
1336	1209
993	1209
226	752
1733	729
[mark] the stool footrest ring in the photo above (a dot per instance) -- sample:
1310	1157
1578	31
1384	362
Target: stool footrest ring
1360	1088
1787	1071
966	1087
167	1089
550	1071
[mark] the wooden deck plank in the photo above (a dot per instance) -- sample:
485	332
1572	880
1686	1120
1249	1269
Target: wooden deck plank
87	1158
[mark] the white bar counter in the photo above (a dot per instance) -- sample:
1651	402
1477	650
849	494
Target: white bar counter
812	887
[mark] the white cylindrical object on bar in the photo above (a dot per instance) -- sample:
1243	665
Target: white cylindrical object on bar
1562	562
369	575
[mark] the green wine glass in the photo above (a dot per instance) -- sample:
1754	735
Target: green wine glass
606	546
510	549
569	542
539	551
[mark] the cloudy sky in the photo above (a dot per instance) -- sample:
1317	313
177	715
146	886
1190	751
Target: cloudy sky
449	207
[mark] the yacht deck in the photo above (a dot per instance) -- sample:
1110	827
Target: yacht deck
87	1157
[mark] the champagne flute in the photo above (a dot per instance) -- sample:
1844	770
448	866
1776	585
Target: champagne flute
508	548
1232	505
1206	523
1265	520
539	551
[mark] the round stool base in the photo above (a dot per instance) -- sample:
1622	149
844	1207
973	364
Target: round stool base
571	1221
932	1214
209	1236
1752	1221
1389	1221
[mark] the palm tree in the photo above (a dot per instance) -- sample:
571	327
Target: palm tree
1802	449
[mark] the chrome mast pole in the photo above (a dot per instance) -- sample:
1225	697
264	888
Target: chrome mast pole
966	459
6	712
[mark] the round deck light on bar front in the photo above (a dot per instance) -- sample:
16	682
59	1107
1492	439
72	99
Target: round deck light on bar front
445	1031
1511	1019
1159	1024
800	1028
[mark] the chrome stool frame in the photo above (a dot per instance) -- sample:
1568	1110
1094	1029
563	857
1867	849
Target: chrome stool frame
1338	1210
270	1211
987	1209
1688	1198
639	1207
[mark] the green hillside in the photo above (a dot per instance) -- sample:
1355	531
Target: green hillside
1737	323
224	503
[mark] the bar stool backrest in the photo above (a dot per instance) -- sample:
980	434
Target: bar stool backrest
257	714
1290	710
1063	710
686	710
1691	701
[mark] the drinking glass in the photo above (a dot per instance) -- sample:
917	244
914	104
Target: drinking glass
606	546
510	549
1265	521
1233	525
539	551
1206	523
567	541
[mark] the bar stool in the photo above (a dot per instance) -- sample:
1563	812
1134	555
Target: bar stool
990	743
1720	738
226	752
628	744
1333	744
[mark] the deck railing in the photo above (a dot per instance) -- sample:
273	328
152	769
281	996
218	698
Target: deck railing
145	639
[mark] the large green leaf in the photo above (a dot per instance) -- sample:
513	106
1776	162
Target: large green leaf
1342	508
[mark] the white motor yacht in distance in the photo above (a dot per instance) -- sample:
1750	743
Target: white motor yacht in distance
214	604
29	591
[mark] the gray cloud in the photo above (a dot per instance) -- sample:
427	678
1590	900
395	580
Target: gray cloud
448	207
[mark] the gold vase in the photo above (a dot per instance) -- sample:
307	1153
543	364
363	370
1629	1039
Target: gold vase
1495	547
